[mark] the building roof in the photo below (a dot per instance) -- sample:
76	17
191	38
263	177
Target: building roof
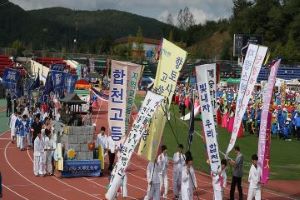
129	39
72	99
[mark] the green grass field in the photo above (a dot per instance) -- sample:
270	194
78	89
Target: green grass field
3	119
285	156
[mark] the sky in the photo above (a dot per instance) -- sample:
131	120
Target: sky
159	9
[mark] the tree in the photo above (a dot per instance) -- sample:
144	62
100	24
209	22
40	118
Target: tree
171	36
18	46
185	19
139	41
170	19
239	6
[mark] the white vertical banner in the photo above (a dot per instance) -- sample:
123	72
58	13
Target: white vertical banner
208	118
251	67
134	73
212	82
117	100
141	124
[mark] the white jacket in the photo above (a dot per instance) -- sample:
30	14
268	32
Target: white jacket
163	162
179	161
153	174
254	177
38	146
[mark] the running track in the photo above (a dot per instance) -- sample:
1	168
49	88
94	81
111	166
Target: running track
20	183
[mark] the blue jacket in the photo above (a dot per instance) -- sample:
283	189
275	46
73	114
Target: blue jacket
23	128
297	121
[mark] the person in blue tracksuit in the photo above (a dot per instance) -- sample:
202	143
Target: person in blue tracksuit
286	130
17	124
297	124
23	129
257	118
280	122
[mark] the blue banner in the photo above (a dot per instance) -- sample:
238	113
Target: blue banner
58	81
70	81
58	67
80	168
12	81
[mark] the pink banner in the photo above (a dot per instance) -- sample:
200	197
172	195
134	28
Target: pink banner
264	138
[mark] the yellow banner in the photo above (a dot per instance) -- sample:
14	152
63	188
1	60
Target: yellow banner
169	65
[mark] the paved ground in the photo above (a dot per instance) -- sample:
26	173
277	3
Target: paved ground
20	183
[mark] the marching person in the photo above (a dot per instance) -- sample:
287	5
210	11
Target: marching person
23	129
219	181
179	162
254	190
29	133
163	175
237	173
12	125
17	124
38	163
101	144
8	105
50	146
36	127
111	147
153	190
188	179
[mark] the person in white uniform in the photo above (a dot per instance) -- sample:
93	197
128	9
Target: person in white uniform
153	190
111	147
12	124
178	163
188	179
101	145
254	190
219	181
38	155
50	147
163	162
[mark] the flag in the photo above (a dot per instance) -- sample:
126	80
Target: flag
264	136
58	81
141	124
170	63
36	83
192	127
70	81
251	67
48	85
117	100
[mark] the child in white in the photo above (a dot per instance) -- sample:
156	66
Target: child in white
50	146
12	124
188	180
179	162
153	190
163	175
254	180
38	154
219	181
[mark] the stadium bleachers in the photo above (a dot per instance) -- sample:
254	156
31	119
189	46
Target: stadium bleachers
286	73
4	63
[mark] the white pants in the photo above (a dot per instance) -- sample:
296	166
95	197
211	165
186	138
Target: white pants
218	195
187	193
153	192
163	179
124	187
12	133
29	139
48	162
18	140
176	182
38	165
254	193
22	142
